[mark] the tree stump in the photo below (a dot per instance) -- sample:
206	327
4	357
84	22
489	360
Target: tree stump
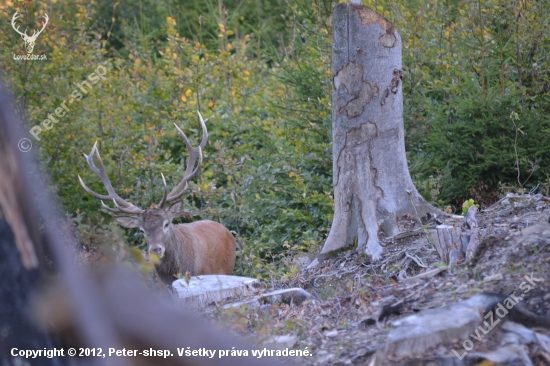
450	243
372	185
454	245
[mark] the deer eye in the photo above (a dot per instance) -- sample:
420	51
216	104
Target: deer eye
142	231
166	223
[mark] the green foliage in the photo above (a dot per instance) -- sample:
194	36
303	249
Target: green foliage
202	21
471	66
467	204
476	92
272	190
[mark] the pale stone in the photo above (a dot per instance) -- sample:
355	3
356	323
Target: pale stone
281	342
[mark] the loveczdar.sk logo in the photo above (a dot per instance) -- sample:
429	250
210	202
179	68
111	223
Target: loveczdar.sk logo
29	40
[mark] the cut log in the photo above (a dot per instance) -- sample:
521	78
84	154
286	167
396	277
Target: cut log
415	334
203	290
294	295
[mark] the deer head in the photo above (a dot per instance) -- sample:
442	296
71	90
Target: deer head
155	223
29	40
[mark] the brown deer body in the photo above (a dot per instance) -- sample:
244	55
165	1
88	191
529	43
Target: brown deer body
198	248
196	256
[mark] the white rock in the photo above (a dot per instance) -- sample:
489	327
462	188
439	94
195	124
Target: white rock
283	341
332	333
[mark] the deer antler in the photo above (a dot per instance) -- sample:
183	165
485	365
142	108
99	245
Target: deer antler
15	16
36	33
190	171
121	205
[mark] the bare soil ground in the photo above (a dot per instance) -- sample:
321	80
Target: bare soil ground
356	300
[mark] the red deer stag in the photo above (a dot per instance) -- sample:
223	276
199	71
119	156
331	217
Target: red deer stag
201	247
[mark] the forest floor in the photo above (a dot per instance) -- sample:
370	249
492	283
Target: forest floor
356	302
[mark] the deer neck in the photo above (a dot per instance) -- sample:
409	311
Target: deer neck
182	243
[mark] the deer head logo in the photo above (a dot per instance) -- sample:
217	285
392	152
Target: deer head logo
29	40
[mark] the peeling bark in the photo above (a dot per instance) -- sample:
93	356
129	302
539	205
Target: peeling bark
387	40
369	16
354	92
372	185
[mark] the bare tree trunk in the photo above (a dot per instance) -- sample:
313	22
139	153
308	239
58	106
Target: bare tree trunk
372	185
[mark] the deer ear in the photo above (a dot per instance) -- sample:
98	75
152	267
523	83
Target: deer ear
176	209
128	222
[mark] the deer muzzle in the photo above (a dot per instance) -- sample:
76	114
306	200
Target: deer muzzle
157	249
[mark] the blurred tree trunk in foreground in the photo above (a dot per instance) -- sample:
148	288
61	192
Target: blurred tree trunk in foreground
20	264
103	309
